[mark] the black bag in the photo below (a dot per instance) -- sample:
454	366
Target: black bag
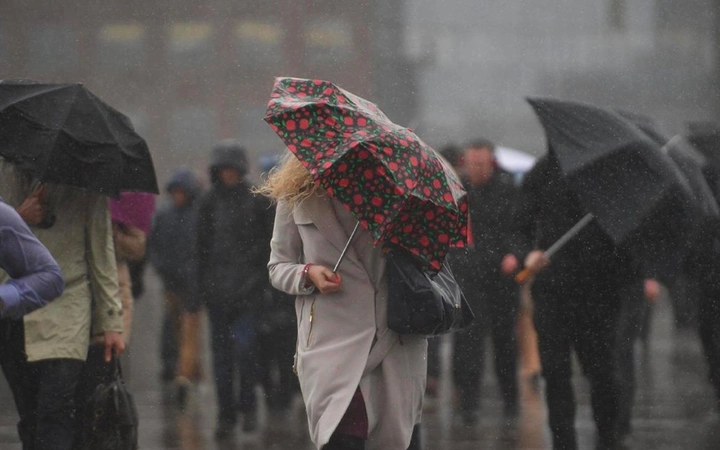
420	302
110	420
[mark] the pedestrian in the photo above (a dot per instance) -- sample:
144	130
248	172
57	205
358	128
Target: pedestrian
485	272
35	277
233	245
131	216
362	384
577	303
276	337
173	254
703	268
44	352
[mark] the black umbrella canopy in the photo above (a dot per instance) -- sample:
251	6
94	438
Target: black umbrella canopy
617	171
691	164
62	133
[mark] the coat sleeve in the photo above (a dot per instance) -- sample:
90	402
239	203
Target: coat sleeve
102	268
286	254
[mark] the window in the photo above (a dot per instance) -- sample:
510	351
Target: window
258	43
192	129
190	44
52	48
121	46
328	40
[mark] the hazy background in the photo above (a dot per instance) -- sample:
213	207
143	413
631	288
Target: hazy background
191	72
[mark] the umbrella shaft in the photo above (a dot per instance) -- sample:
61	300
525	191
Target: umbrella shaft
347	245
571	233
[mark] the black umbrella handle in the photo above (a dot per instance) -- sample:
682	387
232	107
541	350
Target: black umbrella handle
526	274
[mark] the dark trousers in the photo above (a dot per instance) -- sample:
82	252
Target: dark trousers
233	354
274	362
709	329
44	392
583	318
496	309
634	312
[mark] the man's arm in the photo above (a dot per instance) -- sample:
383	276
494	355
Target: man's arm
36	277
102	271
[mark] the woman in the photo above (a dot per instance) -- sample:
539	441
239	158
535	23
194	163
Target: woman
361	383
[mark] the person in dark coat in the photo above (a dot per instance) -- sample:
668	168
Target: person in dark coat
172	251
233	247
485	274
703	266
577	303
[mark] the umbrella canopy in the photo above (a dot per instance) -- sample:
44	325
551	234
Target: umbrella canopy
134	209
397	187
692	164
62	133
617	171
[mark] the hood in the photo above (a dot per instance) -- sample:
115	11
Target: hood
228	153
184	178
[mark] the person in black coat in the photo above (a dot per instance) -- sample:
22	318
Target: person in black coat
703	266
484	272
577	303
233	247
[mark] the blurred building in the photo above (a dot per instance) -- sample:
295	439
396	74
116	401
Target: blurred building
480	59
191	72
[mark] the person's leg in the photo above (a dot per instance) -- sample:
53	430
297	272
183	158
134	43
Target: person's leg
503	319
709	329
223	368
169	336
56	413
468	360
95	371
352	431
553	322
22	379
595	345
632	313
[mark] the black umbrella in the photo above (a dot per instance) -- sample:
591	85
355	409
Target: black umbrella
62	133
631	188
693	164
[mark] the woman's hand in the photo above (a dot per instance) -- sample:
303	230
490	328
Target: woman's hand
324	279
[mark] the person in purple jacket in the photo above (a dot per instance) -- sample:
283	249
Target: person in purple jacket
35	277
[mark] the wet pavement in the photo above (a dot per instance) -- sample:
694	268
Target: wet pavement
674	407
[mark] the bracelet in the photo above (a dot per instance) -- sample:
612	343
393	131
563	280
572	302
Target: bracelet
307	284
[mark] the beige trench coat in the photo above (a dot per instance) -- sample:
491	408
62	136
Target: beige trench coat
347	343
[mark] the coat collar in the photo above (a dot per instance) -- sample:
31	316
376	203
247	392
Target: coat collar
322	214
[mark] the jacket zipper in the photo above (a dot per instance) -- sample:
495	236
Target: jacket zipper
311	318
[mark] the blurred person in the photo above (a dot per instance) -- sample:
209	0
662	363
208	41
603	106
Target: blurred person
634	311
34	276
233	245
362	383
276	336
45	352
577	300
173	253
702	267
485	273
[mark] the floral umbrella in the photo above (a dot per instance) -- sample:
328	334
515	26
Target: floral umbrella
398	187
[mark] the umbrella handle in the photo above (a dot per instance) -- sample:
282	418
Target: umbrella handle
524	275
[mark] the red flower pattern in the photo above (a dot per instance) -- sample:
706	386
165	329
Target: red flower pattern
395	184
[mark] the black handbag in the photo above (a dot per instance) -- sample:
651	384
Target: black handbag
110	420
422	302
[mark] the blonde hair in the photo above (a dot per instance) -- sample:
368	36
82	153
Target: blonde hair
289	182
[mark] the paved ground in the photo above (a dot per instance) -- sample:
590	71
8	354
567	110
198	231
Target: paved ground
674	405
